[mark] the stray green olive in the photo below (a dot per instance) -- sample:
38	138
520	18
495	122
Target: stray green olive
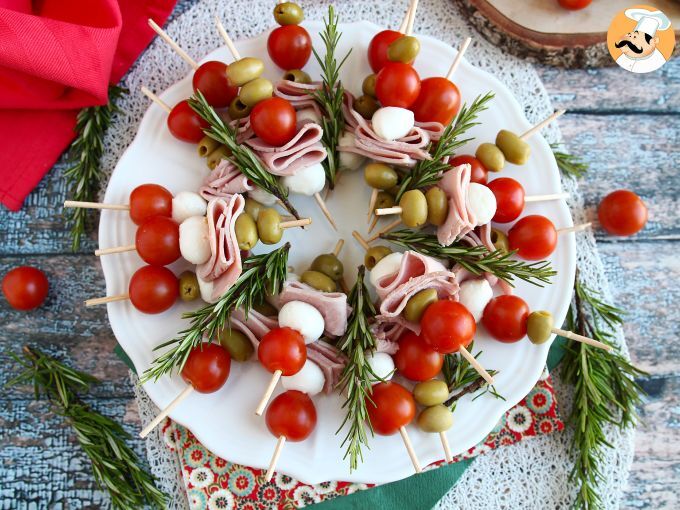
319	281
238	110
366	106
437	206
380	176
206	146
253	208
266	309
288	13
500	240
384	200
368	86
515	150
236	343
374	255
255	91
413	208
431	393
329	265
242	71
188	286
269	226
214	158
491	157
405	49
298	76
246	232
539	326
435	419
416	305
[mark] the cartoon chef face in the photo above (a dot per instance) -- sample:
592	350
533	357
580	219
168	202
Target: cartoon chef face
637	44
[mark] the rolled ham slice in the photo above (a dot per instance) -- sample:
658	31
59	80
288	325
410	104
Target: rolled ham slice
387	334
224	181
330	360
433	128
254	327
348	112
413	265
298	94
243	129
332	305
459	222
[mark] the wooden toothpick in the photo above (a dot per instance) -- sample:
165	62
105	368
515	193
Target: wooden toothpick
338	247
412	17
544	198
107	299
385	229
324	210
575	228
171	42
542	124
275	458
227	39
456	62
476	365
446	446
356	235
295	223
581	338
117	249
410	450
166	412
404	21
268	392
156	99
95	205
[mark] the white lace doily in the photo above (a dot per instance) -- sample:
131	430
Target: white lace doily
530	474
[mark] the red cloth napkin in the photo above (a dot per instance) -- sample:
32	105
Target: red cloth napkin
57	56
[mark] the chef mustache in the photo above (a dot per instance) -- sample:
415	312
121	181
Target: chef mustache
626	42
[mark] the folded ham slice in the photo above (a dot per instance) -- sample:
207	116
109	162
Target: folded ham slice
243	129
254	327
298	94
330	360
459	221
332	305
413	265
432	128
348	112
387	335
224	181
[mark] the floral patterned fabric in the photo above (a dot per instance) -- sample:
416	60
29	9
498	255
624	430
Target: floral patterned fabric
213	483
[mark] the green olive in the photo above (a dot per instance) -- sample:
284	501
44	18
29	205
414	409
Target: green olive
242	71
298	76
266	309
539	326
491	157
255	91
515	150
269	226
236	343
207	145
188	286
214	158
384	200
238	110
437	206
253	208
246	232
366	106
288	13
416	305
500	240
329	265
380	176
413	208
405	49
374	255
435	419
319	281
431	393
368	86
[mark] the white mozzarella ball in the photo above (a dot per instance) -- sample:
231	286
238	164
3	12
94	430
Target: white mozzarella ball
307	181
349	160
309	379
475	295
293	277
386	266
382	365
308	114
187	204
262	196
193	240
206	289
481	203
304	318
391	123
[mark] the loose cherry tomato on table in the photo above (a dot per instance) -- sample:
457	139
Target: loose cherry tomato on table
25	287
185	124
289	46
148	200
622	213
505	318
377	48
207	367
157	241
397	84
292	415
153	289
390	406
446	326
282	349
211	79
534	237
438	101
416	360
574	5
274	120
509	199
479	171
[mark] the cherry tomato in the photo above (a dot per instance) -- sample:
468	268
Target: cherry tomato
574	5
149	200
153	289
274	120
509	199
282	349
479	171
505	318
207	367
211	79
416	360
438	101
157	241
447	326
390	406
289	46
534	237
377	48
292	415
397	84
622	213
25	287
185	124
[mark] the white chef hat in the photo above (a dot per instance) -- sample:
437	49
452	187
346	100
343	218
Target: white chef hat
648	21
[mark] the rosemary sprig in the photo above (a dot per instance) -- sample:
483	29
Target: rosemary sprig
241	155
330	96
569	164
476	259
428	172
462	378
262	275
84	175
115	465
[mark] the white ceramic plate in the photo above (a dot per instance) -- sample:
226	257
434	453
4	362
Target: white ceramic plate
224	421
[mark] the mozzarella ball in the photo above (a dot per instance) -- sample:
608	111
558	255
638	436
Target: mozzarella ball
382	365
481	202
349	160
308	114
206	289
307	181
193	240
391	123
475	295
293	277
187	204
262	196
309	379
304	318
386	266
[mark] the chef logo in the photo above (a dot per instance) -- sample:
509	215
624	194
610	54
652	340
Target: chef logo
641	39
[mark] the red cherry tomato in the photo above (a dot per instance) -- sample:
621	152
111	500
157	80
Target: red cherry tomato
397	84
438	101
292	415
211	79
377	48
274	120
157	241
574	5
622	213
534	237
416	360
479	171
185	124
289	46
390	406
207	367
282	349
505	318
153	289
447	326
25	287
149	200
509	199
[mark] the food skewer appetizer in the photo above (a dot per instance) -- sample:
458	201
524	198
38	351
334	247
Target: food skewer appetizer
380	44
510	199
436	417
534	237
183	122
289	45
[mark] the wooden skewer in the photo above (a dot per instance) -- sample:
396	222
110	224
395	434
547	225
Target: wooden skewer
356	235
324	210
295	223
227	39
411	17
404	22
275	458
543	198
165	412
338	247
475	364
118	249
373	223
575	228
156	99
410	450
459	57
385	229
178	49
268	392
581	338
542	124
96	205
388	210
371	203
446	446
106	299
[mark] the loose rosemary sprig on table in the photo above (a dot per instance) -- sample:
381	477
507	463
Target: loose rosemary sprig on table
241	155
115	465
262	275
330	96
476	259
462	378
569	164
84	175
428	172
